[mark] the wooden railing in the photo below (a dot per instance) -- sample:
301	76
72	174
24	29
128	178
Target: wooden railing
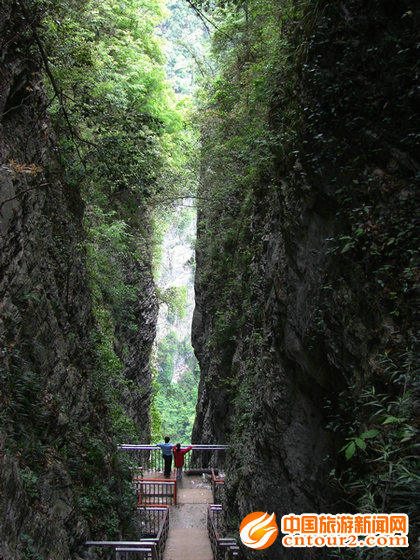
129	550
201	458
151	518
139	553
155	491
162	535
156	494
223	548
155	522
217	487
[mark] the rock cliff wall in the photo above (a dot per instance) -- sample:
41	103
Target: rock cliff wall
61	480
136	347
313	289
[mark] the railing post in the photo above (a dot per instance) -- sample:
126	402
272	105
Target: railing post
175	486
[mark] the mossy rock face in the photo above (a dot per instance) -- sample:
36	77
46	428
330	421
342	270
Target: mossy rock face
56	424
314	287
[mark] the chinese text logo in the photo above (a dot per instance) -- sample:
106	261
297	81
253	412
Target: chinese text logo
259	530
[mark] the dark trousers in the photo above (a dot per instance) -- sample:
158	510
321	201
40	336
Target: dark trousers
168	464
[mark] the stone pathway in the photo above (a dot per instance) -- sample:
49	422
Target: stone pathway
188	538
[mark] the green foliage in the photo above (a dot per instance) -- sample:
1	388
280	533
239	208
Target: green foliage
242	137
102	485
186	48
382	470
108	63
108	252
357	441
175	297
109	378
155	416
123	140
24	418
296	132
176	403
30	549
30	482
167	351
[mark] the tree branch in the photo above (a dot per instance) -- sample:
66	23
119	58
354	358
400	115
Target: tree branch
185	197
21	194
205	18
16	106
54	84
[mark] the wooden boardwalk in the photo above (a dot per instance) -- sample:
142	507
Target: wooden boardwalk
188	538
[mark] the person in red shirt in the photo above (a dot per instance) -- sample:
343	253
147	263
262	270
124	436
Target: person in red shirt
179	458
